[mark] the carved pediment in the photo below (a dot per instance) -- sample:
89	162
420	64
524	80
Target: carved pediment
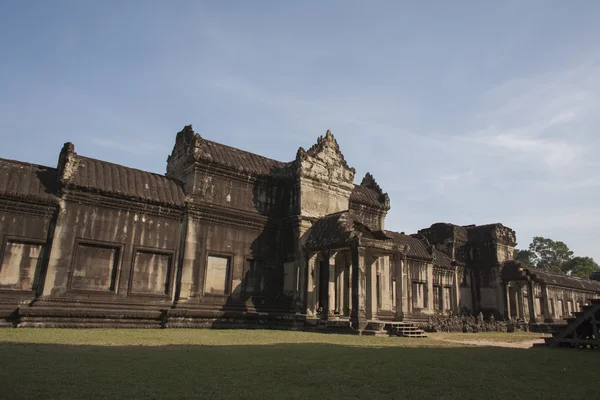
325	161
187	145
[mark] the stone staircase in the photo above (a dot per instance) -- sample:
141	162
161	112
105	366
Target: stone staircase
581	330
394	328
406	329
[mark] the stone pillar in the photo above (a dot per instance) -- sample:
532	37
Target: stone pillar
350	285
531	301
311	285
384	284
190	255
429	294
340	287
372	287
359	288
456	292
546	305
302	259
331	287
507	299
57	271
399	266
520	305
407	296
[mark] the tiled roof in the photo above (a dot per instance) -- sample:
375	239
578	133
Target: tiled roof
513	270
364	195
338	229
330	231
113	179
442	259
240	160
550	278
27	181
417	247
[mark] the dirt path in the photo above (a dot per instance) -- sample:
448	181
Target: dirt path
515	345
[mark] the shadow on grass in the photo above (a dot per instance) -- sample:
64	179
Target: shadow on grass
292	371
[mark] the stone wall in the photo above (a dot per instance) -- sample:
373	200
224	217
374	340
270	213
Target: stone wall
222	239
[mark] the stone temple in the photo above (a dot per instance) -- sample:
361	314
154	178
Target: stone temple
227	238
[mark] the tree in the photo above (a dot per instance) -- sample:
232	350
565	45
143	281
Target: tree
525	257
548	254
580	266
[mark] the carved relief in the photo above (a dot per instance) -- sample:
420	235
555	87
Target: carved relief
325	179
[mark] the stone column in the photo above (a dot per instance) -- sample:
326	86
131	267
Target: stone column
507	299
429	294
546	305
372	287
331	286
520	305
340	287
300	230
311	285
456	292
350	285
399	266
407	297
190	255
59	255
359	288
531	301
384	284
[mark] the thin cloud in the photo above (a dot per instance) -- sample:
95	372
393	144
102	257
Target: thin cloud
139	147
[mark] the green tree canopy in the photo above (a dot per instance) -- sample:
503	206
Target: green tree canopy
548	254
525	257
580	266
555	256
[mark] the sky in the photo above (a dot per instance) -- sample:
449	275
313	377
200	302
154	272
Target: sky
466	112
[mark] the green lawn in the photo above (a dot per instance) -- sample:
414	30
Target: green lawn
164	364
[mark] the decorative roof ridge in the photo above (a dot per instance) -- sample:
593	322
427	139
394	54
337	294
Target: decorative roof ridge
110	163
25	163
205	141
369	182
322	142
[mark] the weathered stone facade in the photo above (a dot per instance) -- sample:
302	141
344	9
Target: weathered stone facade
230	238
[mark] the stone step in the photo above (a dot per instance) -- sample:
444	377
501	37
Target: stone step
407	330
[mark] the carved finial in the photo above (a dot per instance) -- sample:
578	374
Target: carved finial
370	182
329	135
67	163
68	148
301	153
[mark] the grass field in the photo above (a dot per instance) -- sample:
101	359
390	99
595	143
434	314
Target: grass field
166	364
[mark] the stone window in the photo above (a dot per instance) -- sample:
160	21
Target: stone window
538	306
217	275
418	295
437	298
19	263
151	273
95	267
559	309
447	299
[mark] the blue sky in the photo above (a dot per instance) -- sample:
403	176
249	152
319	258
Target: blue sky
464	111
